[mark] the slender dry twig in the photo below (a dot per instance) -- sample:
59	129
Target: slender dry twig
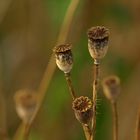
87	131
69	82
86	128
50	69
26	131
115	121
95	88
137	131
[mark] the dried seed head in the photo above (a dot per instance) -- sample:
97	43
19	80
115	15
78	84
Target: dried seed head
26	103
111	87
64	58
82	107
98	41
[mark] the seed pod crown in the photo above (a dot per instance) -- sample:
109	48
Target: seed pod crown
64	58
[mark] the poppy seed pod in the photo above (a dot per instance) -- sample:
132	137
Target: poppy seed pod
26	103
64	58
98	41
82	107
111	87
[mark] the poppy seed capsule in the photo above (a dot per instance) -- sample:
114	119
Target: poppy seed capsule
98	41
64	58
111	87
26	103
82	107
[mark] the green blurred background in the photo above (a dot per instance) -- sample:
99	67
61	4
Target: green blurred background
28	32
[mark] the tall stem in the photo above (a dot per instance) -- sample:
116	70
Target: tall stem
115	121
95	89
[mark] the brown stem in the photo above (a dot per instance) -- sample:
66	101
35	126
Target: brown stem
87	131
137	134
71	89
50	69
115	121
26	132
95	89
86	128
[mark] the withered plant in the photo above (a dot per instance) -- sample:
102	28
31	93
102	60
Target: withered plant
84	108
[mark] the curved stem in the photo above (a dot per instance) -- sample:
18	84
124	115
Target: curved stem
115	121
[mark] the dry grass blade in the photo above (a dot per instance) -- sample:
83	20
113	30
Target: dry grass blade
51	65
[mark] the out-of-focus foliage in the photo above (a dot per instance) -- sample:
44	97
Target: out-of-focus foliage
28	32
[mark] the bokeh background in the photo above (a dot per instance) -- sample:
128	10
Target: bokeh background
28	32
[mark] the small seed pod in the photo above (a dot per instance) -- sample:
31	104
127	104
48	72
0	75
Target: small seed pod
82	107
98	41
26	103
64	58
111	88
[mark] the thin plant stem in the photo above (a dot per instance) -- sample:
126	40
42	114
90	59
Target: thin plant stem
50	69
87	131
69	82
26	131
137	130
115	121
95	89
86	128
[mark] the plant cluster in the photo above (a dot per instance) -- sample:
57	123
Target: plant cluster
85	108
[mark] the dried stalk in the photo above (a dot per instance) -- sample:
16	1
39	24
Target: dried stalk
87	132
95	88
137	134
86	128
26	132
50	69
69	82
115	121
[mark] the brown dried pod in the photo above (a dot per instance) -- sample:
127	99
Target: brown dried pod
98	41
111	87
26	103
64	58
82	107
